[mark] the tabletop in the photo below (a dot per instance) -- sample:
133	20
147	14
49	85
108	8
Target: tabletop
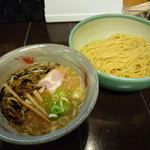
119	120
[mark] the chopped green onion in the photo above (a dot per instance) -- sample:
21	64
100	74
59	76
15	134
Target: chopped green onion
62	108
55	97
59	102
46	99
64	99
53	116
58	108
61	93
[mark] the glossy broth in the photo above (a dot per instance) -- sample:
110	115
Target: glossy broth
59	106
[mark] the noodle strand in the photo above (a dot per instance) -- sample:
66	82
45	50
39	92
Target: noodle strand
123	55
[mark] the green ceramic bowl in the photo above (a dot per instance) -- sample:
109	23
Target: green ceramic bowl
102	26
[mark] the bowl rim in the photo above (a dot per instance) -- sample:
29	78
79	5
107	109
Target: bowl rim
110	15
129	79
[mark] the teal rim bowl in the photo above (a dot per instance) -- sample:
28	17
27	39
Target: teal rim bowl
103	25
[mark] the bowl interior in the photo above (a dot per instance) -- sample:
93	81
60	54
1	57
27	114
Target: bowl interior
102	26
23	56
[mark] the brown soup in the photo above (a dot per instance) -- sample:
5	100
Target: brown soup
42	97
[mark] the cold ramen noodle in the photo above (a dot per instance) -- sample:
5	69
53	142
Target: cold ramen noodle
42	97
124	55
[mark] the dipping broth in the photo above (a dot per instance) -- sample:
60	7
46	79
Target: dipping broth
42	97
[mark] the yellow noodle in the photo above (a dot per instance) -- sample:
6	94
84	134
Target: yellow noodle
123	55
